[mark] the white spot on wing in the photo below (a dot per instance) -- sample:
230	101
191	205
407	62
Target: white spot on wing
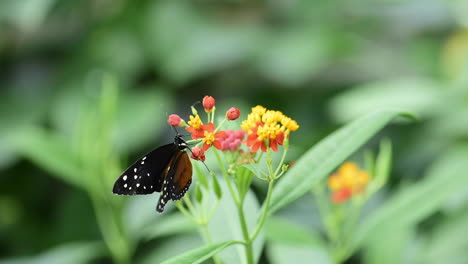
125	185
143	158
138	185
142	162
135	169
130	188
124	177
135	177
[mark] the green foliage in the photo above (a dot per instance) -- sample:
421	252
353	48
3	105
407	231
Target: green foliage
200	254
86	87
328	154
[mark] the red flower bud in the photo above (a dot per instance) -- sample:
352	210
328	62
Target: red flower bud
175	120
233	113
208	103
198	154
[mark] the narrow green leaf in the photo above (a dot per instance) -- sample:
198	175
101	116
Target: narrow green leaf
412	204
168	226
320	160
451	243
216	187
198	193
286	232
200	254
76	252
200	175
51	152
383	162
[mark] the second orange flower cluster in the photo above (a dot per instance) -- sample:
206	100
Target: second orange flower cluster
347	182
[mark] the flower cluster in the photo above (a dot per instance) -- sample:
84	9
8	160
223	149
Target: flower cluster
232	139
267	128
348	181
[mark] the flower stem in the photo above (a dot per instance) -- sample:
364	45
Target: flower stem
245	234
280	164
220	124
226	176
263	217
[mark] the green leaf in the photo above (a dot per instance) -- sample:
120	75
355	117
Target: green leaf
200	254
168	226
414	203
383	162
51	152
170	247
286	232
422	96
451	242
292	243
224	226
393	249
282	253
77	252
137	113
320	160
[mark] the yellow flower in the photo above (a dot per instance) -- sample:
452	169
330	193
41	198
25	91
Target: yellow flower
195	121
267	127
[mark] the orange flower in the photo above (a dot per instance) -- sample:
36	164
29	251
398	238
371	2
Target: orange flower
211	138
267	128
195	127
349	181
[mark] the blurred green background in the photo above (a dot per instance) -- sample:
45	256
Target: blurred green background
86	86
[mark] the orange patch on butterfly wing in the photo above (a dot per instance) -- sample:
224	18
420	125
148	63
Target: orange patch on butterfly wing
183	173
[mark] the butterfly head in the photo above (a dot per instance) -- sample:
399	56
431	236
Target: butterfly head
180	141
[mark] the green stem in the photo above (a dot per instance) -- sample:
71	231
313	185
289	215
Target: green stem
181	208
263	217
226	176
190	206
208	240
245	234
220	124
280	164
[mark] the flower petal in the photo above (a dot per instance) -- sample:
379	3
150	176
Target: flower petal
208	127
217	144
206	147
220	134
273	144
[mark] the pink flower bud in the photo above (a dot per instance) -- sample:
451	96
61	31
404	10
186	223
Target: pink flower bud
198	154
175	120
208	103
233	113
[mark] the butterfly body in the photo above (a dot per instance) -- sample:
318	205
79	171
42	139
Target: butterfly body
167	169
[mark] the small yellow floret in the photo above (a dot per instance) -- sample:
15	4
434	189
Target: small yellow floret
209	138
195	121
273	123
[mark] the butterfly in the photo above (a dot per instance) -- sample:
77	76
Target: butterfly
167	169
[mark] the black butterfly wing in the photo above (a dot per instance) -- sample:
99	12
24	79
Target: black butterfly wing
177	180
147	174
